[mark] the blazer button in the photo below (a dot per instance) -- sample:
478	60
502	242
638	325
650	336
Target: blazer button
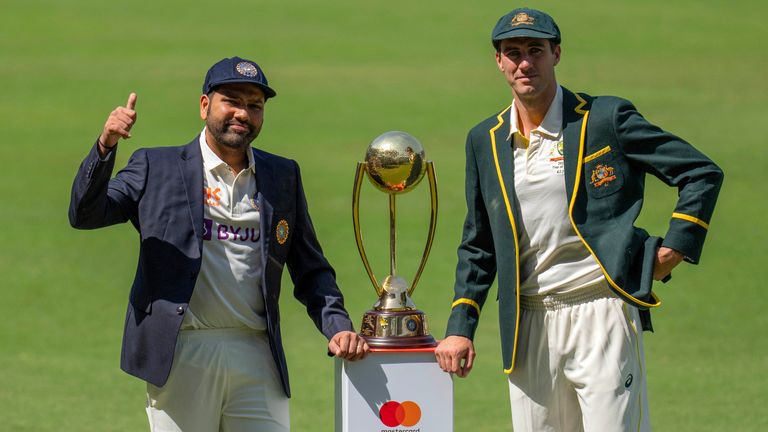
180	310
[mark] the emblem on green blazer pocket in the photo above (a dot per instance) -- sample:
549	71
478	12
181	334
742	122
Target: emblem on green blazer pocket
602	175
604	172
282	230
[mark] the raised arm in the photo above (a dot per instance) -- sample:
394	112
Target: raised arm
97	201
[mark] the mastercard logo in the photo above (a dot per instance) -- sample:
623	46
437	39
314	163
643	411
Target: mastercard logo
405	413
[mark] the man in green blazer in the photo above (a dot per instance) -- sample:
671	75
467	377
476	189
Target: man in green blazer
554	184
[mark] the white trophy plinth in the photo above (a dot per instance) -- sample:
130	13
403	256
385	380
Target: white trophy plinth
394	390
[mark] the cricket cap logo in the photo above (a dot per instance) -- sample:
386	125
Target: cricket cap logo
247	69
521	18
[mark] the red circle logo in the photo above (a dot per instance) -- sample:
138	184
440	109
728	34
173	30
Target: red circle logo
405	413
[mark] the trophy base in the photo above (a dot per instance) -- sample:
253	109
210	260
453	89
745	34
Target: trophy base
396	329
426	341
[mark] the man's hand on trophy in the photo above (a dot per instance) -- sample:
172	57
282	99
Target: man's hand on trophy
348	345
455	354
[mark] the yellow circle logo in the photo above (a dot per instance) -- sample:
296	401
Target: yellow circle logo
282	230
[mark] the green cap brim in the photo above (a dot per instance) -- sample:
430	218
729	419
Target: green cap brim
524	32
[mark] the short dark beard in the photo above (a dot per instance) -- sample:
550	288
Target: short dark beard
230	139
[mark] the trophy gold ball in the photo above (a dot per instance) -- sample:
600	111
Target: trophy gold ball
395	163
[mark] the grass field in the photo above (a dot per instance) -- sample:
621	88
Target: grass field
345	72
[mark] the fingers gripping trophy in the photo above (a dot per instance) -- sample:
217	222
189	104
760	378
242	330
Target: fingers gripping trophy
395	164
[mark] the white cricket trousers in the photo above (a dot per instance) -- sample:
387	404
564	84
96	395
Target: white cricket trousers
580	365
222	380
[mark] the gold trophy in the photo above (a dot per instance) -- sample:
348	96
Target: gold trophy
395	164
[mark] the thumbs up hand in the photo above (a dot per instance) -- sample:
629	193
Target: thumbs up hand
118	125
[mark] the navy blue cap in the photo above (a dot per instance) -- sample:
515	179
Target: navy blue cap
525	22
237	70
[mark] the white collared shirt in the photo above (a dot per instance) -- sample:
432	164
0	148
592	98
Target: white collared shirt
552	257
228	290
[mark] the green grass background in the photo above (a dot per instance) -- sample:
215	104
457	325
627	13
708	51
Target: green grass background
346	71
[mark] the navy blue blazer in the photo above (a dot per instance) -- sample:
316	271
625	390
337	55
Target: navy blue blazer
160	192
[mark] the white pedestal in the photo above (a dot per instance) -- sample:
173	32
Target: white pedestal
394	390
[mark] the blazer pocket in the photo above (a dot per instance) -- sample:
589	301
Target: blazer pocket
603	173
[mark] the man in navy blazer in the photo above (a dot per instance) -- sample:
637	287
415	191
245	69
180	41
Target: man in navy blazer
166	193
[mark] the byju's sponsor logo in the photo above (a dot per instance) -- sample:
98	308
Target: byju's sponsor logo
224	232
394	413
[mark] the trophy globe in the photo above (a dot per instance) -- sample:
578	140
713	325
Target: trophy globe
395	162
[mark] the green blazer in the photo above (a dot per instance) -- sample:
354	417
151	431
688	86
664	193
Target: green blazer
608	149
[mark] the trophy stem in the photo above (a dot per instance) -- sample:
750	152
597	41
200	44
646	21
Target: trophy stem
392	236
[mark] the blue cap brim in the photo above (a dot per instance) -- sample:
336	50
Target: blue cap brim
268	92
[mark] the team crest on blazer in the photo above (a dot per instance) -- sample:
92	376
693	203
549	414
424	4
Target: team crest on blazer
282	230
521	18
602	175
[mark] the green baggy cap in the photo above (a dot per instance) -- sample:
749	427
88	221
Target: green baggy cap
525	22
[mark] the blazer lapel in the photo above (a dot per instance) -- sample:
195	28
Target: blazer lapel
191	166
503	158
501	142
265	224
264	188
575	114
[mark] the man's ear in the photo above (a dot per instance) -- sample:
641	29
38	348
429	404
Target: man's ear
204	103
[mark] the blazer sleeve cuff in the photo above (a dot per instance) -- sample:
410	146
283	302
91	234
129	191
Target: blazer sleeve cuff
686	235
337	323
463	320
